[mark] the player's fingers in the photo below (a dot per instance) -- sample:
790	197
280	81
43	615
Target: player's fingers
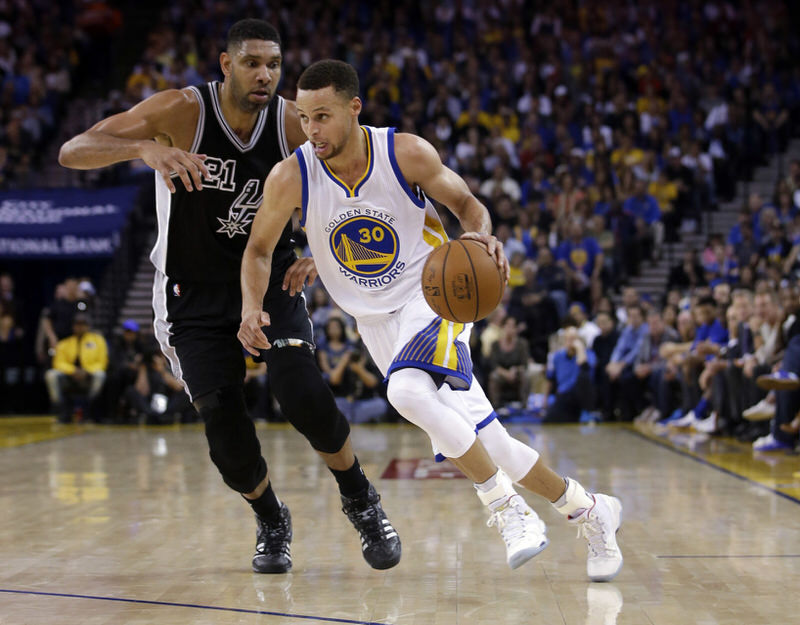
265	321
166	175
193	169
201	165
183	174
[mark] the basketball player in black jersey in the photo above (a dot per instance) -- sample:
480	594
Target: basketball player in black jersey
212	146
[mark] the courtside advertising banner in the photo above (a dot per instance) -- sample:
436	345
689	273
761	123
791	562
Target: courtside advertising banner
63	223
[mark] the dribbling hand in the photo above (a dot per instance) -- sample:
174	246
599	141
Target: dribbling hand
302	272
166	161
494	247
250	333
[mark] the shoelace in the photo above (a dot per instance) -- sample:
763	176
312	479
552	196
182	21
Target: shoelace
508	519
591	531
274	539
368	522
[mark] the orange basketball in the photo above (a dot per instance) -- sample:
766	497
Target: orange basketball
461	282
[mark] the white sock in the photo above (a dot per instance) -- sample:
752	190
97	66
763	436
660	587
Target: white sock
574	501
496	490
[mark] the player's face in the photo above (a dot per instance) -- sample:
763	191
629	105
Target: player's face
326	118
253	71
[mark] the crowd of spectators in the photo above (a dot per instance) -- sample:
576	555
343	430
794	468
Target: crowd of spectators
46	48
595	133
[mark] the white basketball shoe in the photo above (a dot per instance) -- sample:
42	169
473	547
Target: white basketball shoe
599	525
523	532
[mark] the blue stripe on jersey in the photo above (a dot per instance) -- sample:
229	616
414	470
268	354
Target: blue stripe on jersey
370	158
304	175
399	174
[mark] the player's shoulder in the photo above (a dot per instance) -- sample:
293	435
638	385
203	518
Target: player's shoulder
414	153
285	172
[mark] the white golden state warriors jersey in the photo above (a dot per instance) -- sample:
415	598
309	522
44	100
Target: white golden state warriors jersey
369	242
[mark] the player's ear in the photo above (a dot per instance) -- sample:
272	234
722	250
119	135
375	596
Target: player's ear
356	106
225	62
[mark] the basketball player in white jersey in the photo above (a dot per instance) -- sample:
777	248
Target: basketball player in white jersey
370	227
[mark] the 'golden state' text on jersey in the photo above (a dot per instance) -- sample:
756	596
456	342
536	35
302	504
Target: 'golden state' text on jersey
369	242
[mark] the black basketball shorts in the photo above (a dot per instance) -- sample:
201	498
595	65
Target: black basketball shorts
196	326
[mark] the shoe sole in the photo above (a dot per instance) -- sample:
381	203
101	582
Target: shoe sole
272	569
521	557
773	384
759	416
617	504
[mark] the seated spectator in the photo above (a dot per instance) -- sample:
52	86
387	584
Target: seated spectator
535	310
650	367
126	354
786	384
570	372
582	259
353	378
587	329
620	367
644	208
507	364
157	397
551	277
79	369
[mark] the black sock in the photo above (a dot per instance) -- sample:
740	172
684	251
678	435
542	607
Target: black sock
267	505
352	482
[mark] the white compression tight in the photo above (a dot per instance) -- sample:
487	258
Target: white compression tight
414	395
449	418
514	457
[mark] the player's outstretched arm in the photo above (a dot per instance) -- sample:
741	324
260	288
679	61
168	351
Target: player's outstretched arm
158	130
420	163
283	193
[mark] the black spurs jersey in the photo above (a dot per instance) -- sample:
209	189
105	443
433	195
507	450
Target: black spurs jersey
202	234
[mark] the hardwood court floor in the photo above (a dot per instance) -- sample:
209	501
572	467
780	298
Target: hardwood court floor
129	526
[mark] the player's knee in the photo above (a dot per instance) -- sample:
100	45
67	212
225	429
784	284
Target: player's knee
306	400
412	392
232	441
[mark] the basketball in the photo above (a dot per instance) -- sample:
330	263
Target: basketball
461	282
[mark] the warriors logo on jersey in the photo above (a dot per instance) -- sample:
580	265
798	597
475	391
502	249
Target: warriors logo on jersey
364	246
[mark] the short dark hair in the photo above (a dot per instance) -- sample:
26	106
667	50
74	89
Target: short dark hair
707	301
330	73
251	29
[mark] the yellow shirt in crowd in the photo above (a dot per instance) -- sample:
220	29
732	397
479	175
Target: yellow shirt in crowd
91	352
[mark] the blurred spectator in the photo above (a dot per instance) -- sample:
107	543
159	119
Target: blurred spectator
570	372
353	378
582	259
157	397
507	364
535	310
126	355
79	370
620	367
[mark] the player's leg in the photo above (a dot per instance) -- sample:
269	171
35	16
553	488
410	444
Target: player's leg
208	360
597	515
309	405
413	393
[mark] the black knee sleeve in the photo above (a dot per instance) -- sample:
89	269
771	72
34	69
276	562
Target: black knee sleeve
232	441
305	398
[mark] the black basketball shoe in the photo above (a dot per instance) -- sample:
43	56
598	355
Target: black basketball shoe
380	544
272	543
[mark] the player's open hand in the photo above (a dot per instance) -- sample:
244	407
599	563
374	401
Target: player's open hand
302	273
191	168
494	247
250	333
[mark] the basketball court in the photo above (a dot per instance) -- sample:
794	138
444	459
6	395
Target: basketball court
129	525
